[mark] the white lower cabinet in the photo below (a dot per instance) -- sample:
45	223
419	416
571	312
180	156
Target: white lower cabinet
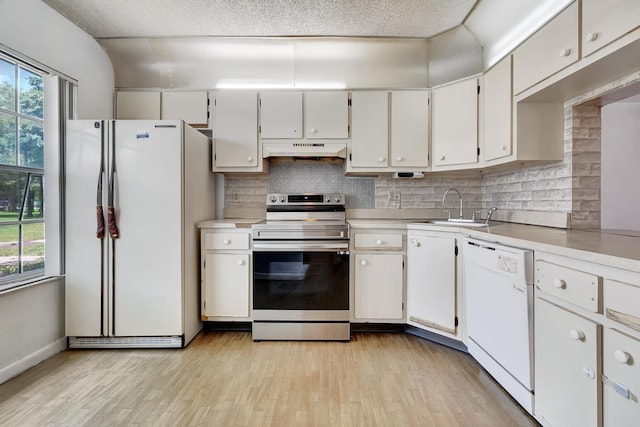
226	276
378	287
567	367
621	377
377	276
431	282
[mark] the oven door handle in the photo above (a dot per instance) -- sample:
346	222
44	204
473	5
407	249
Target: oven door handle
300	246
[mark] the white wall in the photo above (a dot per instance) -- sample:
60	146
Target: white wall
32	318
33	29
621	166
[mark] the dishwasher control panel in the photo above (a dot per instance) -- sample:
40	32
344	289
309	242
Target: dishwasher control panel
508	264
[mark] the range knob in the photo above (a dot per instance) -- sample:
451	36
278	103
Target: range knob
327	199
337	199
273	199
283	199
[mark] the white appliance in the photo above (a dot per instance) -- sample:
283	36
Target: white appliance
141	287
499	304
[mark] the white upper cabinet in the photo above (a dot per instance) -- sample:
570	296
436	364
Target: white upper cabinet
192	107
138	105
312	115
326	114
369	129
552	48
605	21
497	111
236	132
409	129
281	114
455	124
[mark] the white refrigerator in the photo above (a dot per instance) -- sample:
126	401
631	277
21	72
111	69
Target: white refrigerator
137	285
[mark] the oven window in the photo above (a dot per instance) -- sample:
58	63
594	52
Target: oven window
300	281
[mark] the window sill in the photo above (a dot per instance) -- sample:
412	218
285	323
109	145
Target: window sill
28	283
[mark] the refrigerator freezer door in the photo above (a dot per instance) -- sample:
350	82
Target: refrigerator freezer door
85	290
147	256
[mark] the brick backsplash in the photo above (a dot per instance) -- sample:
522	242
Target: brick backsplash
571	185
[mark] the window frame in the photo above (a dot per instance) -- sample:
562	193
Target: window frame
22	277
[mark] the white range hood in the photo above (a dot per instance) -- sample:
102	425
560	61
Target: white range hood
304	148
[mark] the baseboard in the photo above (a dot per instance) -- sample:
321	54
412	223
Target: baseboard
31	360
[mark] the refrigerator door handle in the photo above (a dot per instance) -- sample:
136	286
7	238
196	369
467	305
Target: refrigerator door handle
99	195
111	213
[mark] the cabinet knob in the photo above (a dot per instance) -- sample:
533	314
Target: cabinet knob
250	159
378	242
363	262
226	241
313	130
559	283
622	356
414	242
576	335
399	158
381	159
565	52
503	147
240	262
442	157
591	37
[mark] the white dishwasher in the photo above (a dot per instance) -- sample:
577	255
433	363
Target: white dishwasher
498	284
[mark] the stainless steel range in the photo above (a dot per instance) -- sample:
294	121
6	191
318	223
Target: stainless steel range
301	269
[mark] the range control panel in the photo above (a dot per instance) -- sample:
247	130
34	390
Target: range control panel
306	199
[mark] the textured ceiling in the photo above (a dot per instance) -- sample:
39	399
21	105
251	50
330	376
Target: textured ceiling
166	18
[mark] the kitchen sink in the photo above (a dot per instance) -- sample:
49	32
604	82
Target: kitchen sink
464	223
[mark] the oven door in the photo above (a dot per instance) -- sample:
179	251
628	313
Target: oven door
301	281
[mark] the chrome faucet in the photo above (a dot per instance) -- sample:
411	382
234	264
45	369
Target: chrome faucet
444	198
489	213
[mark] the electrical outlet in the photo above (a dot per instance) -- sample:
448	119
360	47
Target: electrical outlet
235	196
394	199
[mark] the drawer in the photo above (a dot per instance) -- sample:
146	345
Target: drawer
621	303
621	379
575	286
226	241
379	241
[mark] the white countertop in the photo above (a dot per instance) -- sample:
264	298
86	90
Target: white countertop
620	250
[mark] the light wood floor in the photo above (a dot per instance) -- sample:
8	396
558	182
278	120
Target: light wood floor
225	379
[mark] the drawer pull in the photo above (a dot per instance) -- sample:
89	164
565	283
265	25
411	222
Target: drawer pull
381	159
399	158
240	262
576	335
415	243
226	241
559	283
363	262
378	242
565	52
622	356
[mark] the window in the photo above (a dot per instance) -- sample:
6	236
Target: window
21	171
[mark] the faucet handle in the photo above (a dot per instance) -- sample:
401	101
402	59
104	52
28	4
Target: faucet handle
448	212
477	214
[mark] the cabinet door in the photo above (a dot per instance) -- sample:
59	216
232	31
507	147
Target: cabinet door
236	130
192	107
410	129
378	286
138	105
326	114
369	129
498	99
622	379
281	114
431	282
455	124
226	285
552	48
605	21
567	373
